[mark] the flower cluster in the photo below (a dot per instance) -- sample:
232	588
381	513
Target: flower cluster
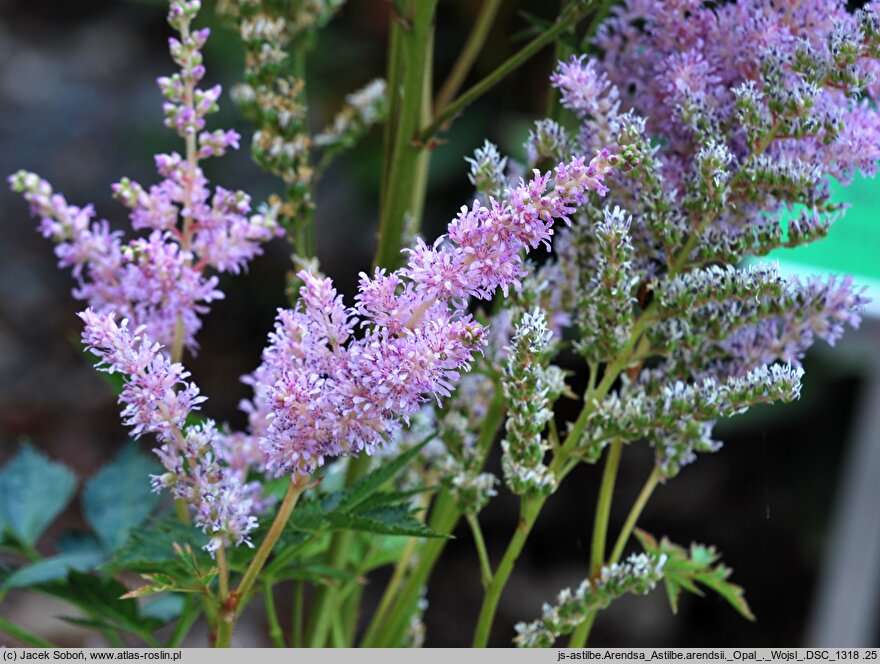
363	109
530	385
200	460
160	281
663	409
638	575
730	142
321	391
487	171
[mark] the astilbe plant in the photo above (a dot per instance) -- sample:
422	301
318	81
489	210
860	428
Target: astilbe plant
680	155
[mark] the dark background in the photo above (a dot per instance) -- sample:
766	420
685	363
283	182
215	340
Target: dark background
78	105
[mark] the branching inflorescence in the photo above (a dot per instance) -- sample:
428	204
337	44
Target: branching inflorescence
714	145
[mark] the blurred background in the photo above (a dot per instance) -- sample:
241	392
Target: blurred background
79	106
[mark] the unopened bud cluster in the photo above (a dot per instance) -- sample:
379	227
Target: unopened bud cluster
638	575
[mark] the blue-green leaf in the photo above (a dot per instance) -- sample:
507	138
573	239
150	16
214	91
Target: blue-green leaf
118	497
77	541
33	491
164	608
53	569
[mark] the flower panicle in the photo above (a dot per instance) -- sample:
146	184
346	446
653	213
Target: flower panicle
638	575
157	398
530	386
328	393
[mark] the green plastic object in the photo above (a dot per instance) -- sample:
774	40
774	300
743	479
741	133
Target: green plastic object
852	247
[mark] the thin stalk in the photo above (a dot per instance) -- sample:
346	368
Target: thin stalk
112	637
393	75
528	514
482	554
275	632
444	516
634	514
177	341
468	54
223	566
337	554
566	20
423	162
561	51
23	635
603	506
185	621
412	52
294	490
336	632
391	592
238	598
582	632
296	616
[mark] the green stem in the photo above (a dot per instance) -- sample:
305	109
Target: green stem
423	162
275	632
24	635
239	597
296	617
603	506
444	517
185	621
393	75
482	554
413	53
112	637
634	514
340	543
468	54
442	120
528	514
391	592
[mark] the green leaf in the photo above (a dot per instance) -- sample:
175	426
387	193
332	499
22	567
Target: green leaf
77	541
371	483
33	491
99	599
388	520
118	497
53	569
151	548
684	569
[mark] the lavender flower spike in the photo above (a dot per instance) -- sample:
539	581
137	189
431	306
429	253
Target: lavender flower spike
157	398
321	392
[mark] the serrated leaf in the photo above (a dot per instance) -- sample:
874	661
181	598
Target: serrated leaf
388	520
673	592
151	547
33	491
372	482
53	569
685	568
118	497
383	498
99	599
